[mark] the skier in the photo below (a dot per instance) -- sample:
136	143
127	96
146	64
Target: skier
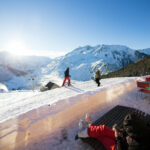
134	135
67	77
97	77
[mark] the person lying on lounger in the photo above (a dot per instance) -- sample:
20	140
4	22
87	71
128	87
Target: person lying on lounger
134	135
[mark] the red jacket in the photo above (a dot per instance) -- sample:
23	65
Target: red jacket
104	134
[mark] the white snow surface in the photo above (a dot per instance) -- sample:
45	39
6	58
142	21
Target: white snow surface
23	104
3	88
15	103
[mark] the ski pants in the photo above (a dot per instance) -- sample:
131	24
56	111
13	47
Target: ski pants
66	78
97	81
104	134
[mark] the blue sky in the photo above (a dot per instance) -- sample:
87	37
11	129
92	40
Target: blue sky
55	27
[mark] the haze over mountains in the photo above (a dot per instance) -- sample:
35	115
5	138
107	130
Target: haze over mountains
16	72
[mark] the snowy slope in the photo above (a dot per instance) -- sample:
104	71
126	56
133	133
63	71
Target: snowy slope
145	51
46	127
84	61
16	103
16	71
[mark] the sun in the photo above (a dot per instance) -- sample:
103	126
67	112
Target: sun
16	47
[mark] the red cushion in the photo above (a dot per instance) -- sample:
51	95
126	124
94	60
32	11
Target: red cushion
144	90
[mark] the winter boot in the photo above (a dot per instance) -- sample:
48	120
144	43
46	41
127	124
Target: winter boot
88	119
82	130
81	125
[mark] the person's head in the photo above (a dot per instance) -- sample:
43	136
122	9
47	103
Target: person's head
134	126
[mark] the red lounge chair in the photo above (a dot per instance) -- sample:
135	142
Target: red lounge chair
144	90
148	79
142	84
142	87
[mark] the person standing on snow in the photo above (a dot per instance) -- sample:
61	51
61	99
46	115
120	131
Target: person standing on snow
67	77
97	77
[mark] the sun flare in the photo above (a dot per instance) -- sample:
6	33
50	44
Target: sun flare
16	47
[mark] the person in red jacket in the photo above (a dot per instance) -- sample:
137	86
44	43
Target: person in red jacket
104	134
135	134
67	77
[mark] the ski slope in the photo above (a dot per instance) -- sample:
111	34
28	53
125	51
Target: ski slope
32	120
17	71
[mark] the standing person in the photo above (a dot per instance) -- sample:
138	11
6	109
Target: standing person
97	77
67	77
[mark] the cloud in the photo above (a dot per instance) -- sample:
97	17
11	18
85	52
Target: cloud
47	53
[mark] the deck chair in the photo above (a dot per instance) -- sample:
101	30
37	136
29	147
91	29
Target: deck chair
145	90
148	79
142	84
142	87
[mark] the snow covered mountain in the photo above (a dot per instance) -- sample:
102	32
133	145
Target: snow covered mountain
84	61
145	51
16	72
24	63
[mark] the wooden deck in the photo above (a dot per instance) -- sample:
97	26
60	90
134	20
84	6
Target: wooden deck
115	115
